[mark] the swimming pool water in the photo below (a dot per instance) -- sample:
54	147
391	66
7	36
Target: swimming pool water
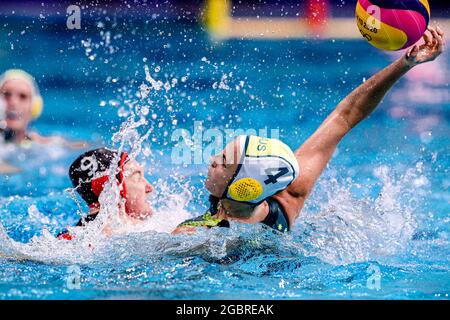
380	209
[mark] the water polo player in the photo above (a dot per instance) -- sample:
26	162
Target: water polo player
258	188
23	104
91	170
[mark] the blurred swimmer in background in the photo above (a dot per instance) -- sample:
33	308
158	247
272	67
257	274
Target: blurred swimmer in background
22	104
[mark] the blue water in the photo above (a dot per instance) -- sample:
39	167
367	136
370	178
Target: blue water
382	204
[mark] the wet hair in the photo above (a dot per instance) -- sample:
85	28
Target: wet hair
88	166
238	209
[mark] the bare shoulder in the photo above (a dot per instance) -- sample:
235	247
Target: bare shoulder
302	185
293	197
291	204
75	145
38	138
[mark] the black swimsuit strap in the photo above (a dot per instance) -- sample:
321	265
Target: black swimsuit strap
277	218
8	135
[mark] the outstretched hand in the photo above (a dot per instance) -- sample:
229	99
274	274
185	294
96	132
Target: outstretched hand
6	168
430	50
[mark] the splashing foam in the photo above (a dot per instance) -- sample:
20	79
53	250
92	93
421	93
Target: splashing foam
344	231
90	240
348	230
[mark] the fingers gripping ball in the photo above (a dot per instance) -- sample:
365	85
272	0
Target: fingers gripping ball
392	24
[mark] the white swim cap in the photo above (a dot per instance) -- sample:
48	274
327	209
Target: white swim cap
267	166
2	114
37	103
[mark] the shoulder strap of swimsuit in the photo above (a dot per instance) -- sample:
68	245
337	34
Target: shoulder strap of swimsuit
277	218
8	135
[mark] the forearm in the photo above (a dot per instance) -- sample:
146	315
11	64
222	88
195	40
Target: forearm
363	100
314	154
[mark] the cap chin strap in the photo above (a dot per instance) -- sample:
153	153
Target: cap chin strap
98	184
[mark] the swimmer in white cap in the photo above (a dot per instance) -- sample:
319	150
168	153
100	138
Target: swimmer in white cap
23	104
258	180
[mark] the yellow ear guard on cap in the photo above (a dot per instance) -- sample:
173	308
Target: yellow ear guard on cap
37	106
266	167
37	103
245	189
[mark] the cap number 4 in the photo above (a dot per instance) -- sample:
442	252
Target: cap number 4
274	173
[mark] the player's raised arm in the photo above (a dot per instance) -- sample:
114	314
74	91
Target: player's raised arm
315	152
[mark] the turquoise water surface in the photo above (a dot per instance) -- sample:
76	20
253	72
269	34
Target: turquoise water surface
376	226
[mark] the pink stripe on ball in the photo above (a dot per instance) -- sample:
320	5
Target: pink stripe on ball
413	24
409	21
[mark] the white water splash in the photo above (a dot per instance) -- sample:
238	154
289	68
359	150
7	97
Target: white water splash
348	230
344	231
